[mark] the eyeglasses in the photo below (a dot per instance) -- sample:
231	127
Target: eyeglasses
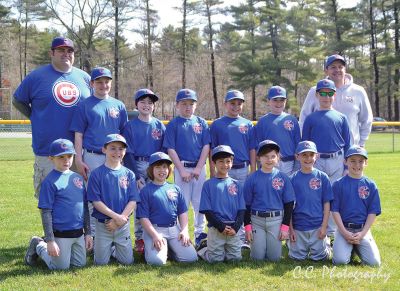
326	94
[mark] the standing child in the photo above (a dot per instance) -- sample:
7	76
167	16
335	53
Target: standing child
311	212
187	139
269	198
113	192
280	127
161	205
144	135
355	206
222	203
64	212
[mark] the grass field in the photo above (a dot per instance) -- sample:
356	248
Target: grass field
19	220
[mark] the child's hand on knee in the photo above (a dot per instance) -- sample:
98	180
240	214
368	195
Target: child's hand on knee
53	249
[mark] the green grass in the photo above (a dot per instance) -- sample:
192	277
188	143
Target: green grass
19	220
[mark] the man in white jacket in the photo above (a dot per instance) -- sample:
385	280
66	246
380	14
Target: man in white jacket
351	100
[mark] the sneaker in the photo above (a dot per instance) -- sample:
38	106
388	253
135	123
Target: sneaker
202	244
139	246
200	237
31	256
245	245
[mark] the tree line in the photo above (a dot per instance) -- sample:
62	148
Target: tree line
270	42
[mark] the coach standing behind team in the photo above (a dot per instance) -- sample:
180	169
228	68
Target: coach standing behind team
48	97
351	100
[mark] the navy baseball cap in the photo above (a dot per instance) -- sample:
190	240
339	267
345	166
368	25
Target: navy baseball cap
159	156
326	84
234	94
268	144
276	92
100	72
61	42
329	60
356	150
61	146
145	93
186	94
221	149
306	146
115	137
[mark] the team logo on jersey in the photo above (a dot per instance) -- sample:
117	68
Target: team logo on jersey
78	182
172	194
288	125
315	183
277	183
233	189
113	112
349	99
197	128
66	93
243	128
363	192
156	133
123	182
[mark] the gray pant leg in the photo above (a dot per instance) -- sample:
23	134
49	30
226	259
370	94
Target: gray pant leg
286	167
181	253
320	249
62	262
298	250
368	250
215	246
266	243
233	248
141	167
78	252
102	244
153	256
341	250
123	245
41	168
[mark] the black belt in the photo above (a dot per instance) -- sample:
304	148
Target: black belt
165	225
190	164
95	152
143	159
74	233
266	213
287	159
331	155
240	166
353	225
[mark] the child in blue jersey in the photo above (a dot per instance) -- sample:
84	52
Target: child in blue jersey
311	212
269	199
355	206
280	127
187	139
161	206
113	192
65	215
222	203
144	135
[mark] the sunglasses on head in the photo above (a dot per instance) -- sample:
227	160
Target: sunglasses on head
326	94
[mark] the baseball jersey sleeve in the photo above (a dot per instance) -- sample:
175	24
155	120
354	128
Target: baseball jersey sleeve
22	94
143	210
374	206
206	132
346	134
306	133
170	134
47	195
181	207
79	120
214	134
288	193
248	190
123	117
205	200
337	195
327	193
94	187
133	190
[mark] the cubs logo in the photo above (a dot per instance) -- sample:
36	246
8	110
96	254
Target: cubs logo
172	194
78	182
63	145
113	112
288	125
307	145
363	192
349	99
232	189
197	128
315	183
66	93
156	133
123	182
277	183
243	128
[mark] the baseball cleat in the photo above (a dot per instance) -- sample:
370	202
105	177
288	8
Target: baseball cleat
31	256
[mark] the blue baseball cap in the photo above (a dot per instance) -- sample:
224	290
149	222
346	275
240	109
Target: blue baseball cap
276	92
306	146
186	94
356	150
61	146
329	60
326	84
141	93
159	156
61	42
115	137
100	72
268	144
234	94
221	149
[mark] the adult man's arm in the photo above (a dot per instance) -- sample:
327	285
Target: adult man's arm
22	107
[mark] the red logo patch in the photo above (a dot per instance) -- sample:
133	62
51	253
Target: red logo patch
156	134
113	112
288	125
232	189
278	183
243	128
66	94
197	128
123	182
172	194
78	182
315	183
363	192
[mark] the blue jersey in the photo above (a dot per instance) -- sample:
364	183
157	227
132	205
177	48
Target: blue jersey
115	188
268	191
312	191
283	129
238	133
161	204
354	199
53	97
187	137
63	193
144	138
95	118
328	129
224	197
